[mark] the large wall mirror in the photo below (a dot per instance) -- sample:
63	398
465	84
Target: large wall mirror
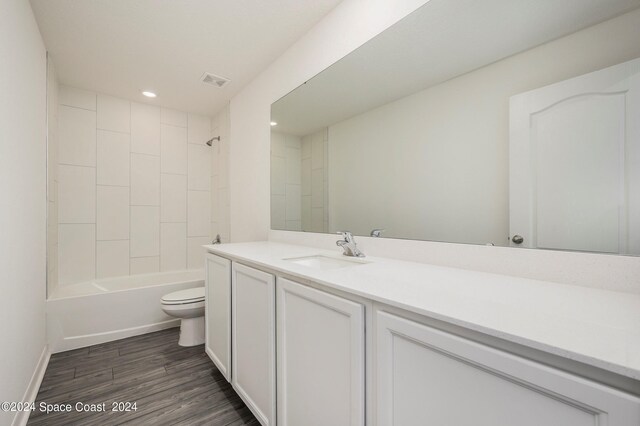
512	123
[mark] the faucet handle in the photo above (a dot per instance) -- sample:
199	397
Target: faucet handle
376	233
346	235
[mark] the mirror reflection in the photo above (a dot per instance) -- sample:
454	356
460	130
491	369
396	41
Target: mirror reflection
483	122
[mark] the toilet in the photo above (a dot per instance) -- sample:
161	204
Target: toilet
188	305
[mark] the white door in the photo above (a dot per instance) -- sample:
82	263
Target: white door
218	312
425	376
253	340
574	167
320	358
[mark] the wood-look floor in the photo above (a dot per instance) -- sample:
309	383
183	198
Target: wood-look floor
171	385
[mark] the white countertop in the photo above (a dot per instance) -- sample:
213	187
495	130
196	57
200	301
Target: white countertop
592	326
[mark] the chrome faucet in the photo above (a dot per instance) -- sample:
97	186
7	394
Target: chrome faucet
348	244
377	233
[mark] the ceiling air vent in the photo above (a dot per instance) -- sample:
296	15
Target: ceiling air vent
214	80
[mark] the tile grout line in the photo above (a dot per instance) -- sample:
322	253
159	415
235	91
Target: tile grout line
95	260
130	181
160	200
186	254
130	185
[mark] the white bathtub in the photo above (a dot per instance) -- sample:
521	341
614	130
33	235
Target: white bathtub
99	311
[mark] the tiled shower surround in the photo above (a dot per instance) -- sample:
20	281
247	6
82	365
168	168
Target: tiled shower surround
138	189
299	172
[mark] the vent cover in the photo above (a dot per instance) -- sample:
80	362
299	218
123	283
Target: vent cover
214	80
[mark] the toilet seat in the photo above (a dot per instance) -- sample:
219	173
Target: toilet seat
184	297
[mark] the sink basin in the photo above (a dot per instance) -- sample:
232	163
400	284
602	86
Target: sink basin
323	262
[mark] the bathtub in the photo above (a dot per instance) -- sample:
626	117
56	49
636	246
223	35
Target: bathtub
99	311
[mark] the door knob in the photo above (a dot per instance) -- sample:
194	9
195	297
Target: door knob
517	239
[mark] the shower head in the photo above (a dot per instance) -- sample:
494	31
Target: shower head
210	141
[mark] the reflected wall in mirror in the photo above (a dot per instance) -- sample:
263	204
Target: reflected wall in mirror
483	122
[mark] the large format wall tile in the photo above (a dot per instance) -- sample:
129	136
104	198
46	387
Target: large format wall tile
145	231
173	117
198	214
317	219
113	213
112	258
113	158
317	188
144	265
145	180
318	146
76	194
173	198
294	203
70	96
114	114
293	165
145	129
306	213
215	202
121	170
287	168
173	242
173	149
195	252
199	167
76	253
76	136
278	175
199	128
278	212
305	175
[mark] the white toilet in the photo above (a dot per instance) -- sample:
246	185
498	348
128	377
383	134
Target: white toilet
188	305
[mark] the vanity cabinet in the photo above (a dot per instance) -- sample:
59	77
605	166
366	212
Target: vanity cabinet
218	312
300	353
428	376
253	340
321	364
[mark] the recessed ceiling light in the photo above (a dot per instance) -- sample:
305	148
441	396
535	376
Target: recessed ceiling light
149	94
273	123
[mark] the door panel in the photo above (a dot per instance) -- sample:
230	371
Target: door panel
253	340
574	160
218	313
320	358
579	175
427	376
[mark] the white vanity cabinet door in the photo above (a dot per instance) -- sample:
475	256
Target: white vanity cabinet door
253	340
218	312
320	358
429	377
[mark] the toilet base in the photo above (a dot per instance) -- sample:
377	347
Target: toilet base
191	331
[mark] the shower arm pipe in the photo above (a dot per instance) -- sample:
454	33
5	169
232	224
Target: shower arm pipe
210	141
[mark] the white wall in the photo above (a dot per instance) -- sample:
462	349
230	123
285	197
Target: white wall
23	199
349	25
134	187
436	163
52	178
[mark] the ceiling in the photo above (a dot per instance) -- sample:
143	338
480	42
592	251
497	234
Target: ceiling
121	47
441	40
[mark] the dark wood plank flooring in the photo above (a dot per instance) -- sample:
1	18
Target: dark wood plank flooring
170	385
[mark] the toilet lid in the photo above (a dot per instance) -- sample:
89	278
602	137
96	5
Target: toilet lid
189	295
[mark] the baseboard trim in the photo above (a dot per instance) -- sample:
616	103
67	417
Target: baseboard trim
75	342
31	393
